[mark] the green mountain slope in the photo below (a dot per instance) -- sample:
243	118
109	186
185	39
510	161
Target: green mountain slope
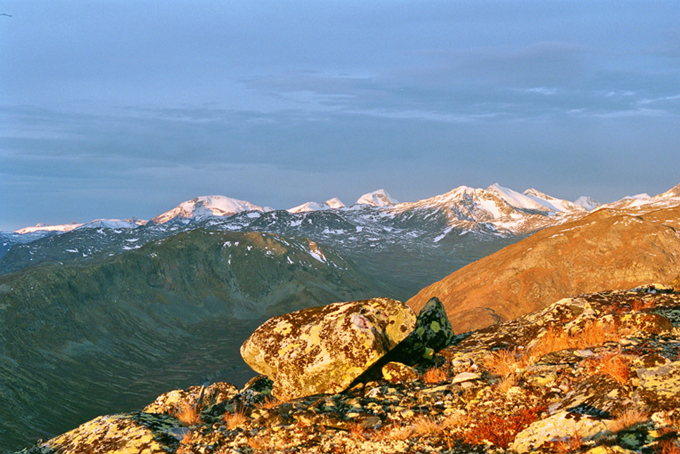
79	341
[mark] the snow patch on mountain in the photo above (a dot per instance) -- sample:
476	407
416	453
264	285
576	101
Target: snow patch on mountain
49	228
557	205
643	202
379	198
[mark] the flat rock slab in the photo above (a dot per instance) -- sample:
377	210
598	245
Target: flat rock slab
117	434
323	349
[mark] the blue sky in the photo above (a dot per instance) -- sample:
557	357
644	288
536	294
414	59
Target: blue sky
115	109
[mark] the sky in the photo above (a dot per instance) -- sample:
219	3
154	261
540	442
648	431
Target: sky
120	109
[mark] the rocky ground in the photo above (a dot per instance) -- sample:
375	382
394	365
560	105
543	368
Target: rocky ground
597	373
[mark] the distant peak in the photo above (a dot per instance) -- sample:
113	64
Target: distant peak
587	202
379	198
330	204
211	205
49	228
672	192
335	203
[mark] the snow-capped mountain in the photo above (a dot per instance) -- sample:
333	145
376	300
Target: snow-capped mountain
587	202
496	209
330	204
214	205
644	202
379	198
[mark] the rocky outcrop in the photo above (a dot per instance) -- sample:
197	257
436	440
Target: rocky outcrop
432	332
608	249
324	349
570	378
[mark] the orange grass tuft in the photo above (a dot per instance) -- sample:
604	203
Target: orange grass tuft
425	425
629	418
555	339
257	443
616	366
501	430
507	383
670	447
269	403
234	420
188	414
435	375
569	445
505	362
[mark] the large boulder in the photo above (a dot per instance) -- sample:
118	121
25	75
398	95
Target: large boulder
323	349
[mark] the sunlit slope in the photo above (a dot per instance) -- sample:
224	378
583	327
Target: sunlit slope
608	249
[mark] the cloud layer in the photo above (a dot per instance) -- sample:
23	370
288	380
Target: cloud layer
120	109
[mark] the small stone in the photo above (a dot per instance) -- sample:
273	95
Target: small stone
406	414
398	372
465	376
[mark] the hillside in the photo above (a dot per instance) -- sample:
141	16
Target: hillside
81	340
608	249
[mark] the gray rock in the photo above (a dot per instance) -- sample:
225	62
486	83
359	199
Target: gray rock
432	333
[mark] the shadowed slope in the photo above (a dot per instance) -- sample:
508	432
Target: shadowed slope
76	341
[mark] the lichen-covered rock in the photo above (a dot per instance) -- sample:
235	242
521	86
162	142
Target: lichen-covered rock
399	372
323	349
559	427
646	323
663	382
117	434
433	332
201	397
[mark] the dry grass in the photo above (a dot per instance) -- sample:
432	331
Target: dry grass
629	418
615	366
639	305
188	414
421	426
555	339
435	375
234	420
569	445
425	425
257	443
393	433
505	362
507	383
269	403
501	430
670	447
